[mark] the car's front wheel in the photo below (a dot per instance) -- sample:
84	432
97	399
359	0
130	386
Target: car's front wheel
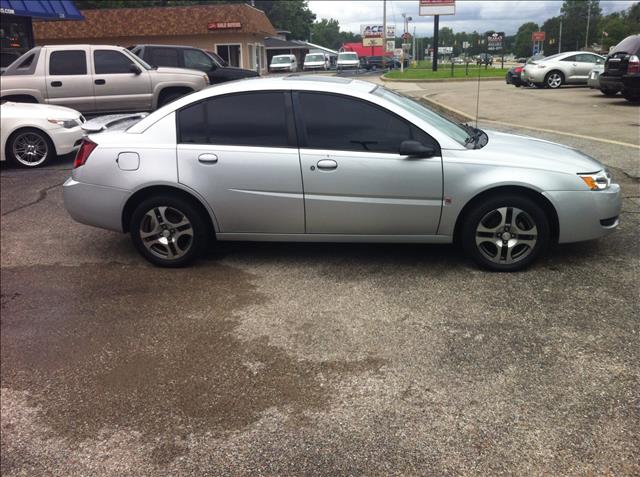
505	233
168	231
30	148
609	92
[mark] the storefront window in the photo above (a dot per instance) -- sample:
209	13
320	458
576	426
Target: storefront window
230	53
15	38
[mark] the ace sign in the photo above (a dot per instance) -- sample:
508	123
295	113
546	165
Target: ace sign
495	41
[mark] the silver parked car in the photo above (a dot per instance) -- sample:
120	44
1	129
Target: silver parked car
571	67
332	159
95	78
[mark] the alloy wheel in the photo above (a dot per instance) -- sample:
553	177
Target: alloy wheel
166	232
506	235
30	149
554	80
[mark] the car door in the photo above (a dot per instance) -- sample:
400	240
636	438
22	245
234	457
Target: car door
586	62
68	80
570	68
120	84
355	180
239	152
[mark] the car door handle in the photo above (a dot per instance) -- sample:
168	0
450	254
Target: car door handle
207	158
327	164
100	81
56	84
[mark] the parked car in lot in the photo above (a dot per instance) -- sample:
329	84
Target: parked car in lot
31	135
570	67
316	61
95	79
484	59
594	80
191	58
622	69
284	63
372	63
348	60
305	158
513	76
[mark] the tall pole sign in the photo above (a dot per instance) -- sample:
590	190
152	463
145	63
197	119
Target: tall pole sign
436	8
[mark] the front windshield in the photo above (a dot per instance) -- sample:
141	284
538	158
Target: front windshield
137	59
347	56
314	58
453	130
281	59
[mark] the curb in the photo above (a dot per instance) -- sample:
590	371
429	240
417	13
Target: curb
439	80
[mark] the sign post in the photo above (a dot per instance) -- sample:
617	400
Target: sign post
495	42
537	38
436	8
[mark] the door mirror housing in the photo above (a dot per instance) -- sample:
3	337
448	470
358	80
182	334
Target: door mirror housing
416	149
135	69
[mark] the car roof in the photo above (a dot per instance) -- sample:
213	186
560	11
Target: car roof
155	45
326	84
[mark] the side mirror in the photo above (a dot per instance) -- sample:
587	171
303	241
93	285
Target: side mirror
416	149
135	69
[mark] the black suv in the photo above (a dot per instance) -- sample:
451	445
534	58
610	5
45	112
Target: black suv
190	57
381	62
622	69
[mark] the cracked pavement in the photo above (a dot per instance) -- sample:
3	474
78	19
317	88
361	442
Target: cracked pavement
313	359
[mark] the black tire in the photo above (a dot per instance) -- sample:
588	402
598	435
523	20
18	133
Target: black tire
608	92
517	85
484	211
631	96
22	134
185	248
539	85
550	80
170	96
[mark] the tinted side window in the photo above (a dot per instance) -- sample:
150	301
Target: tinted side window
584	58
163	57
72	62
343	123
248	119
571	58
197	60
111	62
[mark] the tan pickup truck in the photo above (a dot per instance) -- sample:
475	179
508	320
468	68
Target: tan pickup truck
95	79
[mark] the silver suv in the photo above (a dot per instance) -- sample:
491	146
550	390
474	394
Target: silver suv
95	79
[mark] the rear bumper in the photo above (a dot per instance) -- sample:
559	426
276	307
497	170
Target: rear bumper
586	215
631	82
95	205
611	83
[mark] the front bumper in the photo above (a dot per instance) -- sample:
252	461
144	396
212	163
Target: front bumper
594	80
95	205
586	215
66	140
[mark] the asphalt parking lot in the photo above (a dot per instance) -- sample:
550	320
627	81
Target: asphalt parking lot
316	359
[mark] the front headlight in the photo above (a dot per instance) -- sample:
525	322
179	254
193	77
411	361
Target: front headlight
206	79
65	123
598	180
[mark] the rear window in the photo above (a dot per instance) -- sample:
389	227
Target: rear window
630	45
71	62
163	57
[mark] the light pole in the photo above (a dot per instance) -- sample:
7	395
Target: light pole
586	39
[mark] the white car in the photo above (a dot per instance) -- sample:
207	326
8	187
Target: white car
348	60
570	67
283	63
33	134
316	61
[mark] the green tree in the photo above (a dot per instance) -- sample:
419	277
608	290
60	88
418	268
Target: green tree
326	33
574	25
523	44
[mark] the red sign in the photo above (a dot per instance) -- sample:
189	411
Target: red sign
537	36
223	25
437	7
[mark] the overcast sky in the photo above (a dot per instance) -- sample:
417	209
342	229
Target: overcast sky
470	15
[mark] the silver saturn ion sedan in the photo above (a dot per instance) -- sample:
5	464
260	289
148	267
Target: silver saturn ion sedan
333	160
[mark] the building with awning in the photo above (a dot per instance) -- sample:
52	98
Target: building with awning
235	31
16	23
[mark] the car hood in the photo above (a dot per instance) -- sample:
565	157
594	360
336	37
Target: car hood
31	110
525	151
166	70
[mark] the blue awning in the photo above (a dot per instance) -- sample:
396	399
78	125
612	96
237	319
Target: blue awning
45	9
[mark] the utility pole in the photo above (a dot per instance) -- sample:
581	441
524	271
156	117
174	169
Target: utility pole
560	37
436	27
384	32
414	43
586	39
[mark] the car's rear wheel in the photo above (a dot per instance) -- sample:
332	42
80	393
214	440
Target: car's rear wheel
608	92
505	233
168	231
30	148
631	96
554	79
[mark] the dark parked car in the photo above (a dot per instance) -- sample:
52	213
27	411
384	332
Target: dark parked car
192	58
622	69
379	62
484	59
513	76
